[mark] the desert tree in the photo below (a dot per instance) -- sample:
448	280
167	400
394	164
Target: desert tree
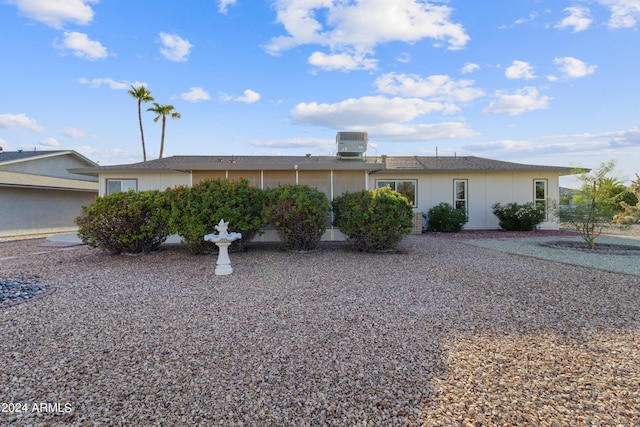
592	208
162	111
142	94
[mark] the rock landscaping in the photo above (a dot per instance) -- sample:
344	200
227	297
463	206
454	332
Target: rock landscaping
440	333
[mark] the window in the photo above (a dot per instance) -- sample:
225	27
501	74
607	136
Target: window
540	193
405	187
120	185
460	194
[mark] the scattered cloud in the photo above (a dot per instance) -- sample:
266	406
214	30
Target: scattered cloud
356	28
404	58
111	83
579	19
341	61
223	5
50	142
195	94
249	97
363	112
19	121
175	48
573	68
75	133
469	67
520	70
319	144
520	101
56	13
440	88
531	17
624	13
81	46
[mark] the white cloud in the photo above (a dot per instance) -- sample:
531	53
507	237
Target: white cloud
320	144
527	99
520	70
363	112
50	142
195	94
360	26
75	133
19	121
579	19
223	5
624	13
404	58
112	84
82	46
469	67
341	61
249	97
437	87
574	68
175	47
55	13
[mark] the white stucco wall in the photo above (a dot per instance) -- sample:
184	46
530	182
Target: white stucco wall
483	190
148	181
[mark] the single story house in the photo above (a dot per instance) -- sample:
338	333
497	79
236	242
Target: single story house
38	195
468	182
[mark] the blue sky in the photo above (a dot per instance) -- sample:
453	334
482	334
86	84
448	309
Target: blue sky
530	81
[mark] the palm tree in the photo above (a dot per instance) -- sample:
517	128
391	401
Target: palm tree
142	95
163	111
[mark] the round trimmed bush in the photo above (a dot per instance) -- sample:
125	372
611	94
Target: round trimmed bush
519	217
126	222
374	220
300	214
196	210
445	218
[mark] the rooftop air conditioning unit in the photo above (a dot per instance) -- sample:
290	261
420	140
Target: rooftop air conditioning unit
351	145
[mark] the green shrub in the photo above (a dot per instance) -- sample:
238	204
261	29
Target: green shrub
196	210
374	220
519	217
127	222
300	215
445	218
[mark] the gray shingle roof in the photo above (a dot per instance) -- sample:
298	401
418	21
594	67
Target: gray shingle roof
373	164
16	156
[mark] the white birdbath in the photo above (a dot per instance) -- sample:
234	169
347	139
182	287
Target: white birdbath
222	240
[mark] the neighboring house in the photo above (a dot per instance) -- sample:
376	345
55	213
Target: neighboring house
471	183
38	195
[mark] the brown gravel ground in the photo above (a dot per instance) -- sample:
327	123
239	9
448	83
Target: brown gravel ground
440	334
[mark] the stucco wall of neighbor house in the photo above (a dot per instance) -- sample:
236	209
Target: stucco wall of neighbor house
483	190
27	211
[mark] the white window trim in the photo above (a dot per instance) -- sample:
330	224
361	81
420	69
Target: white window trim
466	194
546	194
108	180
397	180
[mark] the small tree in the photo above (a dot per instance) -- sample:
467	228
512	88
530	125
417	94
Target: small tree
631	208
591	209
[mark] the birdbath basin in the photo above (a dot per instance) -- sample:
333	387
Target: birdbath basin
222	240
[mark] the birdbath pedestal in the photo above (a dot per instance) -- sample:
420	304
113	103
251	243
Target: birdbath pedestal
222	240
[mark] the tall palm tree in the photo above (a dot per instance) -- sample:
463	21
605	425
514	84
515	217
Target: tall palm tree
163	111
142	95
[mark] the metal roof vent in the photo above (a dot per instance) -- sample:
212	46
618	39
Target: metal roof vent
351	145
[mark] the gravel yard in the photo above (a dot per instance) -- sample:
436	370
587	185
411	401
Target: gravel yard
444	333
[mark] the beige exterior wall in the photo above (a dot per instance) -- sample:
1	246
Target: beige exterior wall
483	190
27	211
148	181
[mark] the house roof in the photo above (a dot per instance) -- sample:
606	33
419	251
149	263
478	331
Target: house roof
7	157
380	164
25	180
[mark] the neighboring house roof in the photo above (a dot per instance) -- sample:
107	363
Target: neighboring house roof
7	157
45	170
371	164
25	180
